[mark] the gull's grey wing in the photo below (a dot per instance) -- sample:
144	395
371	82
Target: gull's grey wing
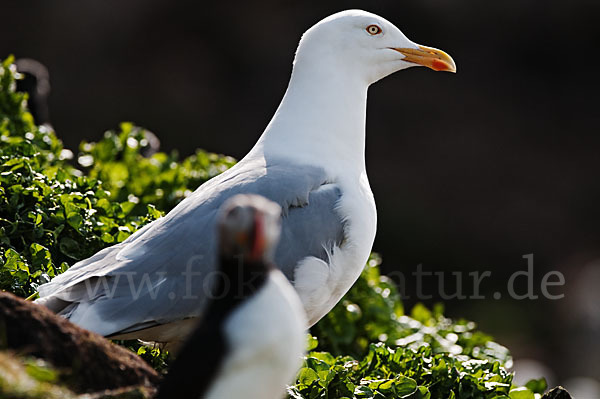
166	270
312	229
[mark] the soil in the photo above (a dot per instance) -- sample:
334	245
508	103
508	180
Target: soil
87	361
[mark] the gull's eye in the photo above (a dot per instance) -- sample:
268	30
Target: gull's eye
373	30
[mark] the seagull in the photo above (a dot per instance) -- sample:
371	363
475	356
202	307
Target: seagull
251	339
310	160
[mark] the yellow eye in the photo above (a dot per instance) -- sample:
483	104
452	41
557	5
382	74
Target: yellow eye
373	30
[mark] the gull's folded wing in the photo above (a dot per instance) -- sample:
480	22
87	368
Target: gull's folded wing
166	271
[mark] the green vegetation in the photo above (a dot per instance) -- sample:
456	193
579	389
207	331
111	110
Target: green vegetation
53	214
372	312
55	211
28	378
368	348
401	372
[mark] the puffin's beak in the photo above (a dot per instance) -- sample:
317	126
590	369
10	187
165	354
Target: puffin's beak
258	247
429	57
241	239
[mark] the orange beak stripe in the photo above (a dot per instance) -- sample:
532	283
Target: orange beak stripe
429	57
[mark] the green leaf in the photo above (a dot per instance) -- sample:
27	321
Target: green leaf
70	247
127	207
40	371
423	393
404	385
75	220
312	343
307	376
421	313
537	386
40	257
363	392
122	235
521	393
324	357
107	238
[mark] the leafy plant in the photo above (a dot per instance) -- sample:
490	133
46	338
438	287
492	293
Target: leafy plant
160	179
368	348
372	312
401	373
53	214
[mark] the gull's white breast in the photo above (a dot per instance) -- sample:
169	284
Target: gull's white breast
319	284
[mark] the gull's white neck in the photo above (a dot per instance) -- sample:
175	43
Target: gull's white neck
320	121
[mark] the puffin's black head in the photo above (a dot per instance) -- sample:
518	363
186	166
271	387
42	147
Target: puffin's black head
249	228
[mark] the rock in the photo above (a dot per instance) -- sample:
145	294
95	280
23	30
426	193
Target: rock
557	393
87	361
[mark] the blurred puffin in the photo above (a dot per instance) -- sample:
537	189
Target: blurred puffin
35	80
251	339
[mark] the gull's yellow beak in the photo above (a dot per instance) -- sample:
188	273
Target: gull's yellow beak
429	57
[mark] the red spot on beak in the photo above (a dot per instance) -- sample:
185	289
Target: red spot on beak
439	65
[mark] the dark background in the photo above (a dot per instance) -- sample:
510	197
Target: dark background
470	171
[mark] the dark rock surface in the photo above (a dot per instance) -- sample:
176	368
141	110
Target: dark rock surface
87	361
557	393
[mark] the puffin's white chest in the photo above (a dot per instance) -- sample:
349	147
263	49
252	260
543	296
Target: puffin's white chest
266	338
321	284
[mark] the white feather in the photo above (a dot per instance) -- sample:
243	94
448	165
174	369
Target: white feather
267	338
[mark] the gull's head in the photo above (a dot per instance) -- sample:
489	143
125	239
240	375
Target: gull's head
249	227
366	45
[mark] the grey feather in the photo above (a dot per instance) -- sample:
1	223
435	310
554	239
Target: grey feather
145	280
